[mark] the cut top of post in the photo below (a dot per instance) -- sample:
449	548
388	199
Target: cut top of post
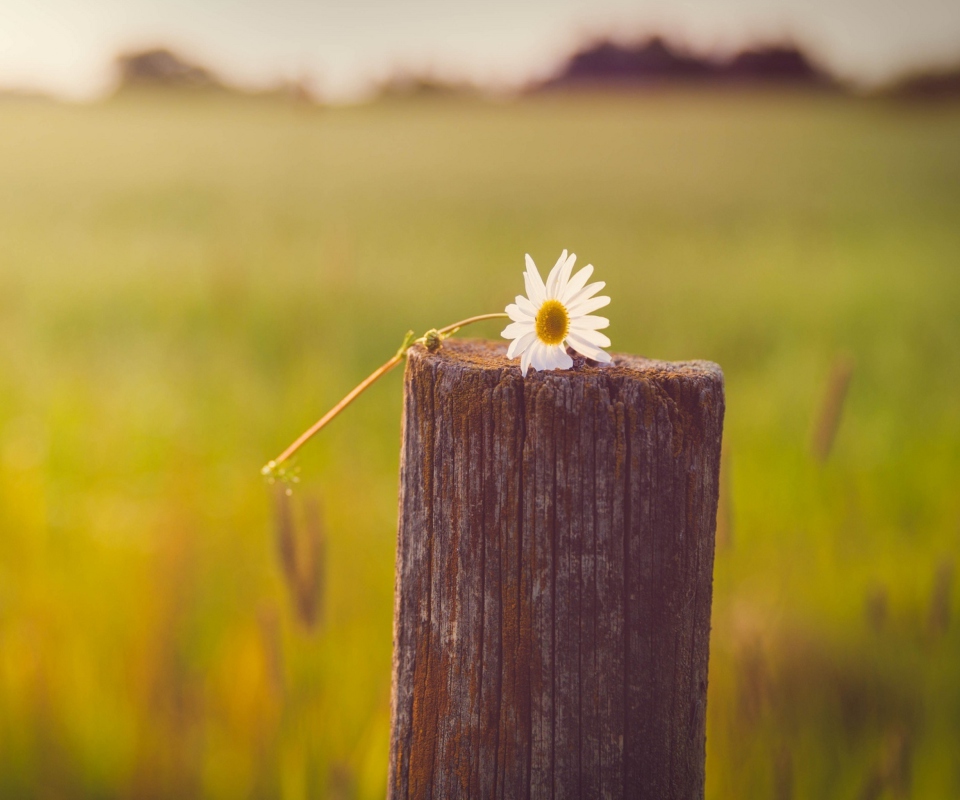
476	355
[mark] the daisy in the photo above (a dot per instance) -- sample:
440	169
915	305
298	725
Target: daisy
556	315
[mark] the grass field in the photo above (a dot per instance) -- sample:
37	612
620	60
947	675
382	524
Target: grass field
186	283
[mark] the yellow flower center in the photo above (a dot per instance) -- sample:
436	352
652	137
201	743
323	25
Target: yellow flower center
553	322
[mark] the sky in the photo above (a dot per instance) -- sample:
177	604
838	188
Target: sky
67	46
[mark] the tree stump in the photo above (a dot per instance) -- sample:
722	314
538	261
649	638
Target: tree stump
554	577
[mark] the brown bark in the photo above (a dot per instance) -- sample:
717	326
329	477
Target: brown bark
554	577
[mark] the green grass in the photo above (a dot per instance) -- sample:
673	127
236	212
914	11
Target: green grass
187	283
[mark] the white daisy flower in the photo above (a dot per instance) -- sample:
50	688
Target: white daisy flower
557	315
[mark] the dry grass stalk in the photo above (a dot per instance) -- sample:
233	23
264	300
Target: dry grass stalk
831	408
301	555
753	682
891	775
877	607
783	774
341	784
940	598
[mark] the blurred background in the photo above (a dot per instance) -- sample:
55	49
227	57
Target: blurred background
217	216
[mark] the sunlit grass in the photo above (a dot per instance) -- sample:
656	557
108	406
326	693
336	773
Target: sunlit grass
186	284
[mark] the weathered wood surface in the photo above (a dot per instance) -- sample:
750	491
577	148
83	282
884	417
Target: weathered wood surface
554	577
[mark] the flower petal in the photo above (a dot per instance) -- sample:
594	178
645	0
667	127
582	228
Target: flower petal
564	277
525	359
536	294
538	356
559	275
552	277
576	283
521	344
536	291
516	314
560	358
586	348
516	329
526	307
594	337
584	293
586	306
588	323
547	356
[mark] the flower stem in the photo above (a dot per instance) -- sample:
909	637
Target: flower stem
322	422
452	329
361	387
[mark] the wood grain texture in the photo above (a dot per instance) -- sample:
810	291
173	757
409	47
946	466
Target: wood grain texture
554	577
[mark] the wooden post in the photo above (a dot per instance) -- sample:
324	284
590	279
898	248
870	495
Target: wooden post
554	577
